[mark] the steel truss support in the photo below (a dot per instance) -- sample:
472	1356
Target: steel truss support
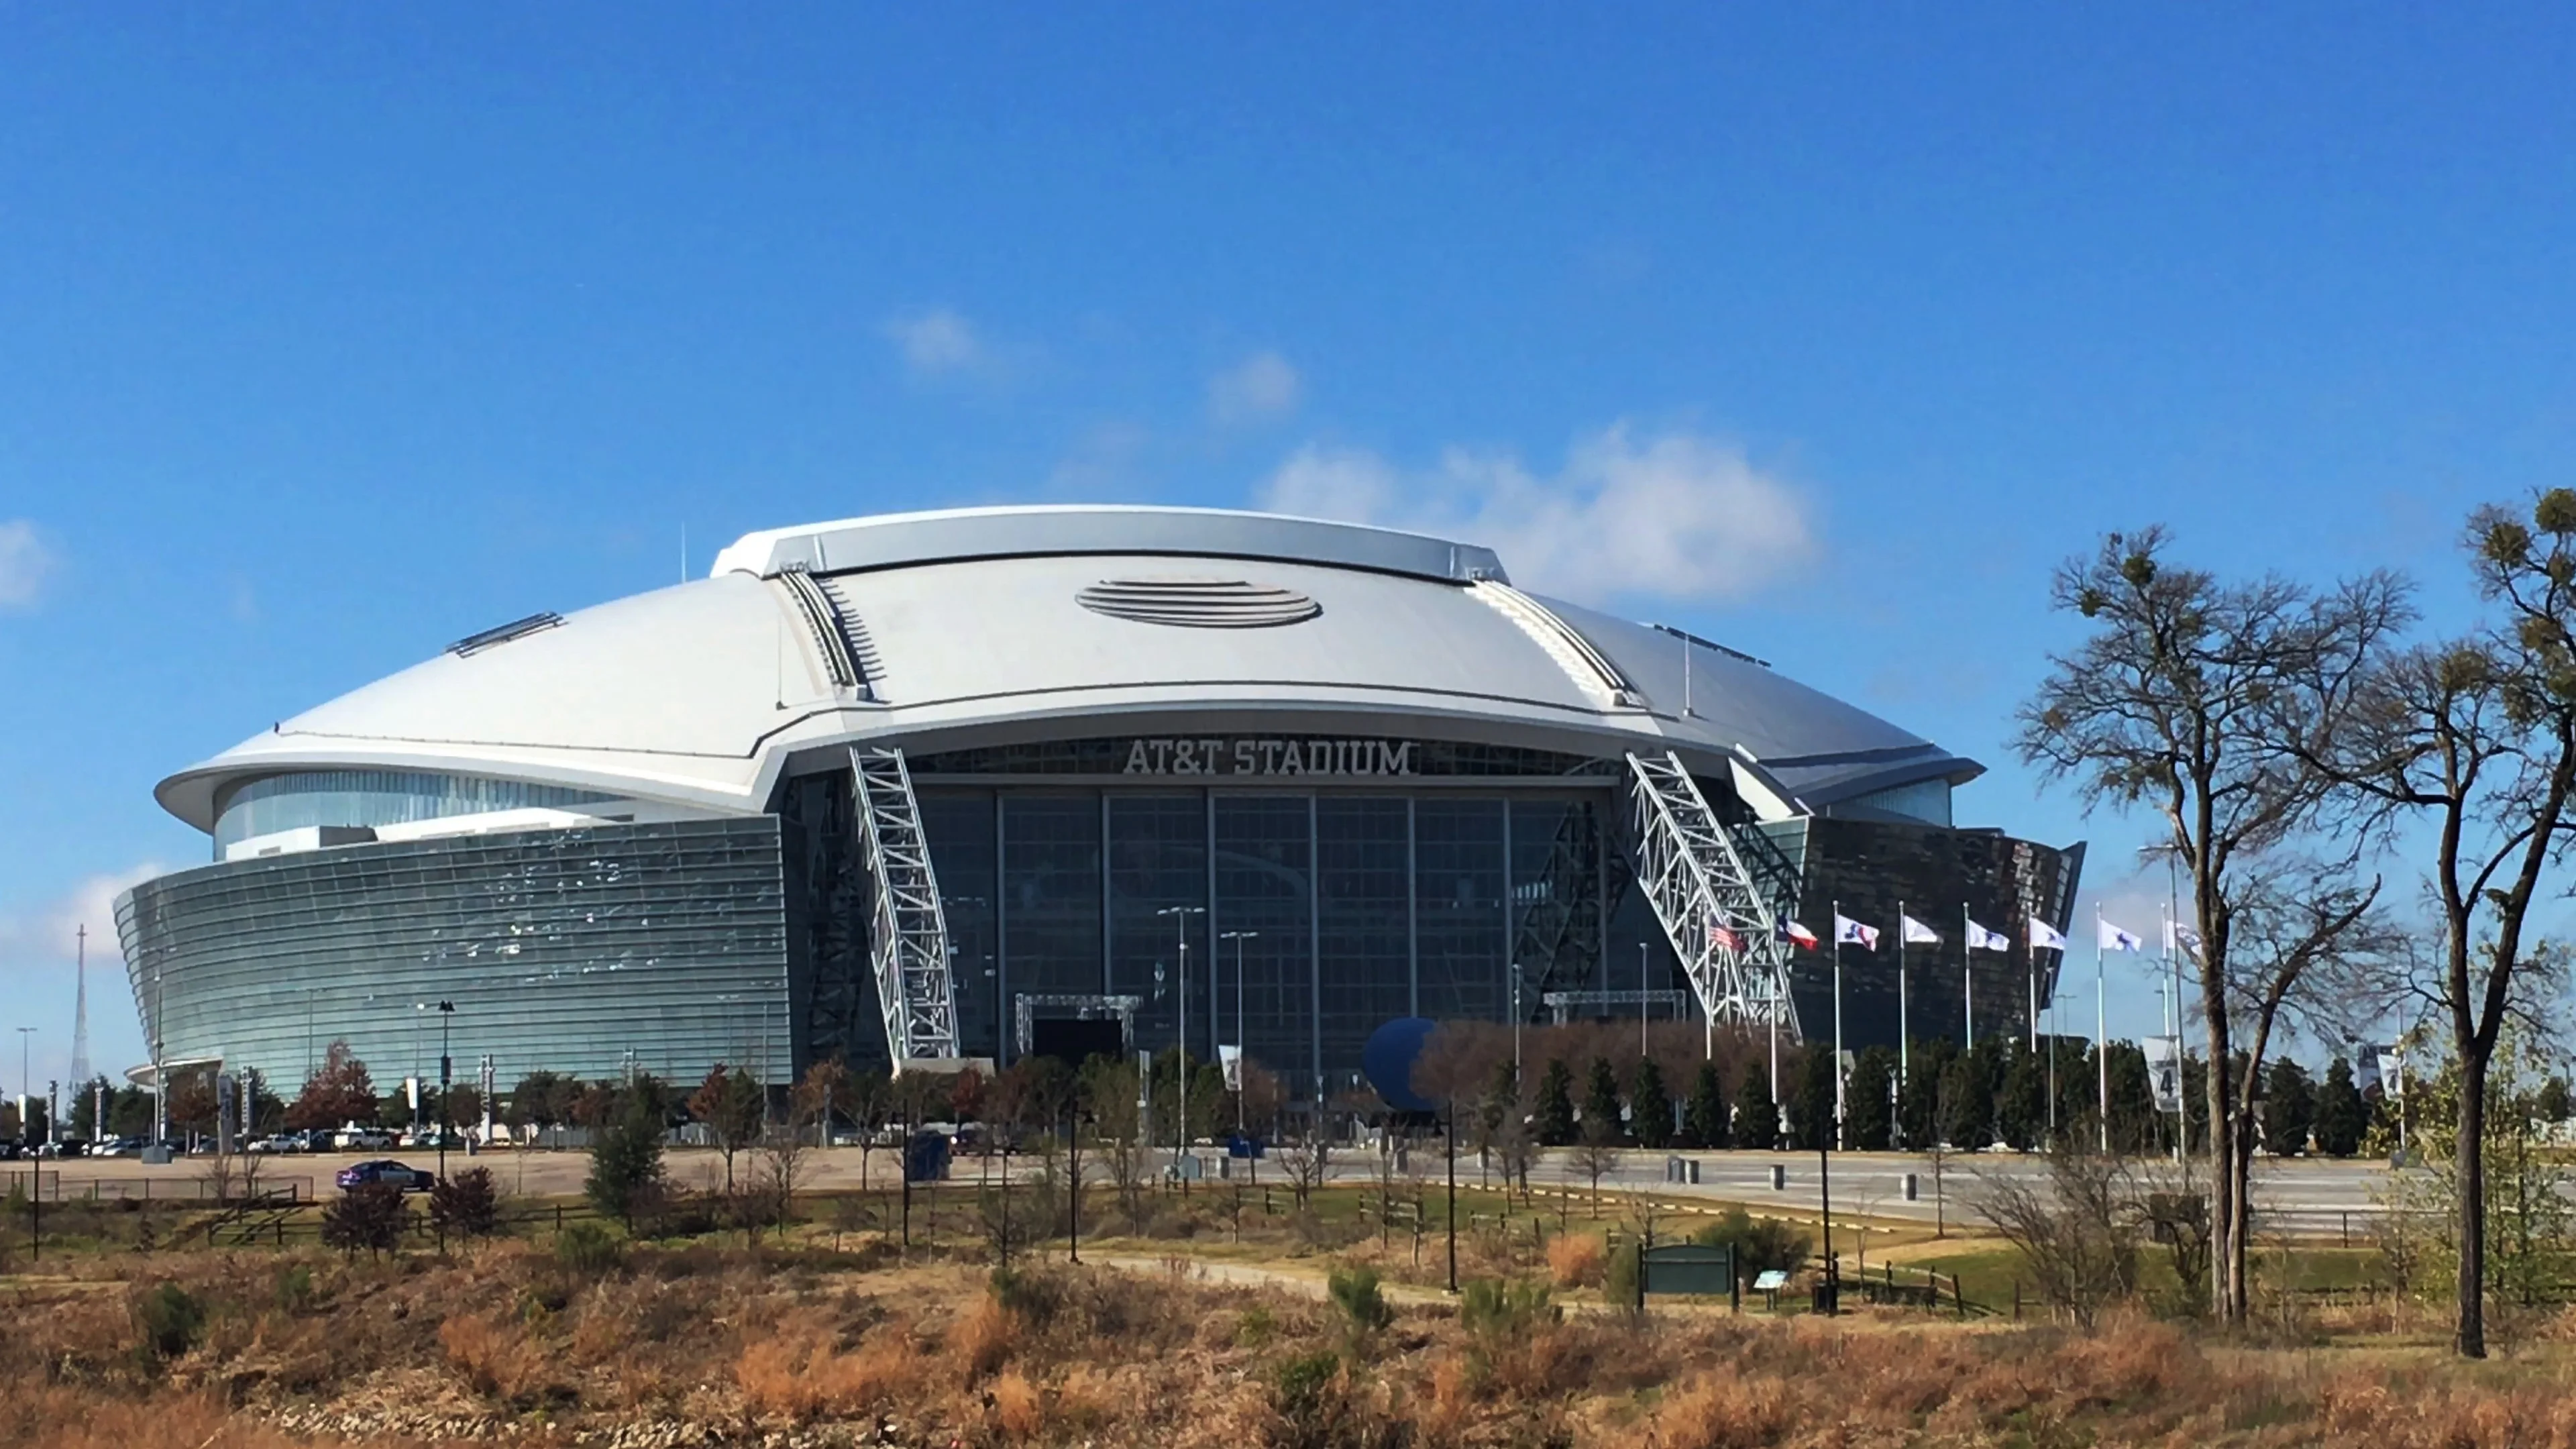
1720	926
908	945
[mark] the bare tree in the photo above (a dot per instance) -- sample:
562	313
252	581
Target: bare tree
2478	737
1515	1146
1309	1160
1598	1155
2078	1234
2185	698
782	1163
819	1094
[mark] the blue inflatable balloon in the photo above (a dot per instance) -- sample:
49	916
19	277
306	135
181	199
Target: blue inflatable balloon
1388	1060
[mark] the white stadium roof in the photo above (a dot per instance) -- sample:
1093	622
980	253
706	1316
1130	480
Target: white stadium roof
971	627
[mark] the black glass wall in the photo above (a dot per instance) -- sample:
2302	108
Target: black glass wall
966	853
1461	928
1364	909
1158	889
1310	918
1265	883
1050	928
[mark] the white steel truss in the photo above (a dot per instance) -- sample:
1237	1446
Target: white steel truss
908	944
1707	902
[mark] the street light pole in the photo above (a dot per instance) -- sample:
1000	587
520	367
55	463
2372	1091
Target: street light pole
1238	938
446	1076
1181	1035
1641	1001
1516	1021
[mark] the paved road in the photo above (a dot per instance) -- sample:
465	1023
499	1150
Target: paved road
2294	1194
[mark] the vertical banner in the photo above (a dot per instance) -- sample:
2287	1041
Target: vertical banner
2164	1070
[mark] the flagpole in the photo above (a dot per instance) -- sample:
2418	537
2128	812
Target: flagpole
1903	1040
2101	1054
2052	1038
1779	968
1967	980
1838	1024
2030	951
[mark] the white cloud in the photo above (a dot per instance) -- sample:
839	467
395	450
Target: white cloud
42	939
1673	515
1261	388
937	341
25	563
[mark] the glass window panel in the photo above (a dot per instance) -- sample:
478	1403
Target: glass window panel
1051	894
1458	907
960	826
1158	861
1264	883
375	797
1363	903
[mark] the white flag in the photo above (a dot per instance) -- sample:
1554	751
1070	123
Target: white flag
2182	938
1230	1059
2115	939
2044	937
1850	932
1919	934
1981	939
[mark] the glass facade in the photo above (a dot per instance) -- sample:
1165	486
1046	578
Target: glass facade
1306	914
1311	917
569	950
1265	882
375	797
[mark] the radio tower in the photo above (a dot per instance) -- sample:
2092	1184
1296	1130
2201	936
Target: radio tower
80	1012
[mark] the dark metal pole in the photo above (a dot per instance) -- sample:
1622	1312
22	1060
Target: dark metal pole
1449	1140
1825	1204
446	1077
1073	1199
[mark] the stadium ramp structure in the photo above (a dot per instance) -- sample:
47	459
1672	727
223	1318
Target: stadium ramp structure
1710	905
908	946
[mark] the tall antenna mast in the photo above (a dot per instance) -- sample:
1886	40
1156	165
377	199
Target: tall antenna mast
80	1010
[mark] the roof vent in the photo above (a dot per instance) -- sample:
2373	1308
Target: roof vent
473	644
1199	603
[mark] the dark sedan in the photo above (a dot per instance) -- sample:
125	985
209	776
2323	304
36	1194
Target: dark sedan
386	1170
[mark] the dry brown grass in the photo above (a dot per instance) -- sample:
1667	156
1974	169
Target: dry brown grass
58	1416
497	1358
1574	1260
983	1338
803	1373
744	1346
1019	1408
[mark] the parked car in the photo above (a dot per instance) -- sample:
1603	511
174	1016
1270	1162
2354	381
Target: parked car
385	1169
360	1139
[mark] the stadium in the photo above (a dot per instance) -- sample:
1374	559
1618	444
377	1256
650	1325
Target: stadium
978	783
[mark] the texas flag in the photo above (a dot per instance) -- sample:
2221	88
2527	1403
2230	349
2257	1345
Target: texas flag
1848	932
2045	937
1793	931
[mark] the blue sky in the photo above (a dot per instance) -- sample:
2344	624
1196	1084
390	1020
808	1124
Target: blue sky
329	334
